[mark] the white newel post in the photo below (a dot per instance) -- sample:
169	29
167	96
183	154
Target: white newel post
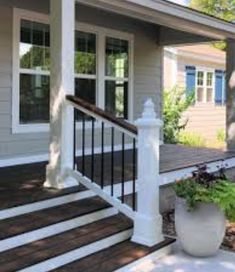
148	221
62	23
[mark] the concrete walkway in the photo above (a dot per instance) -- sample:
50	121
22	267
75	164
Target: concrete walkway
178	261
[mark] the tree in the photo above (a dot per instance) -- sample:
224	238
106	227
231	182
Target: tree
223	9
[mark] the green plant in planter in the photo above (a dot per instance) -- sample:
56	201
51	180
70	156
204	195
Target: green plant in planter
208	188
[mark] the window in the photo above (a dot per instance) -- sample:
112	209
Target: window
34	79
204	86
117	77
85	67
102	76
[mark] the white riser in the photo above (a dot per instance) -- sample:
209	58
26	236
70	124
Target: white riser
79	253
54	229
44	204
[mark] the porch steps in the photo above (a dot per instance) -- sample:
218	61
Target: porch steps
52	252
23	229
103	245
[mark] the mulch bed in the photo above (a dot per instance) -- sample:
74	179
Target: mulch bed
229	239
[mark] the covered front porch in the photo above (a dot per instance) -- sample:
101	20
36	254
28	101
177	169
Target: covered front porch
105	94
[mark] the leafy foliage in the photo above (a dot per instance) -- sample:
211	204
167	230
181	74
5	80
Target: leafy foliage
223	9
208	188
175	103
221	135
191	139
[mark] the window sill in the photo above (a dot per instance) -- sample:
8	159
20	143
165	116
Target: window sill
44	128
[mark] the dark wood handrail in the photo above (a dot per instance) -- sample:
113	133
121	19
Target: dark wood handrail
103	114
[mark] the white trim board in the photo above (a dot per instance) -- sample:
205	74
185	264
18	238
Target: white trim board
38	234
79	253
44	157
172	176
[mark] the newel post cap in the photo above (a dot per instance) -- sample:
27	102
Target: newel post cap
149	116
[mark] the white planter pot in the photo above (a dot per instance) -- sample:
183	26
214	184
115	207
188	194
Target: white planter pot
200	231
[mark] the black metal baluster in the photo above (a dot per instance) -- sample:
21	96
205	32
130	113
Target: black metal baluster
83	143
102	155
112	160
74	140
134	175
92	148
123	167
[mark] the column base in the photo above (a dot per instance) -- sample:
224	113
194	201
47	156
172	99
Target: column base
55	178
147	231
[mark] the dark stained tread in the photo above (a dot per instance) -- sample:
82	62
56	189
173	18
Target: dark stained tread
43	218
23	184
113	258
36	252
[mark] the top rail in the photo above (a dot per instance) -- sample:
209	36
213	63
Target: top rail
102	115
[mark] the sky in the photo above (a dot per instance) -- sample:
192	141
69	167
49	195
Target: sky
180	2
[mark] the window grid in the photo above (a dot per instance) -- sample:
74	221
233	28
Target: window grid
205	86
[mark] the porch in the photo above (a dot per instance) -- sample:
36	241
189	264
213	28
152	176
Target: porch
23	184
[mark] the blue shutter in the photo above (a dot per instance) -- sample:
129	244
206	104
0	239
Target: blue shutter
224	87
190	79
219	86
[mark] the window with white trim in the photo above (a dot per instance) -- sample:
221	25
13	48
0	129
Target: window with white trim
34	72
95	48
204	86
116	76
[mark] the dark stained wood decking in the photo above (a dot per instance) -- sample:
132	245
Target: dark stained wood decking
41	250
113	258
23	184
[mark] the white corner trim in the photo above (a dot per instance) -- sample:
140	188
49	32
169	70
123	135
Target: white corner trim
44	157
79	253
35	235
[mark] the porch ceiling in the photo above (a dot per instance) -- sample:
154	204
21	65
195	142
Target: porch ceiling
197	26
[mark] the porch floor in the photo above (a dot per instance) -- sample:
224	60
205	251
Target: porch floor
23	184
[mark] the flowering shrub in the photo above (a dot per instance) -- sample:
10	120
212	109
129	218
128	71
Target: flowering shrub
208	188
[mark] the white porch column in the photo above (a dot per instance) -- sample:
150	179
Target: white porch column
62	15
148	221
230	95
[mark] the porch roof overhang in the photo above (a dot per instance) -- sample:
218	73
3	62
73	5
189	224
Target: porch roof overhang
197	26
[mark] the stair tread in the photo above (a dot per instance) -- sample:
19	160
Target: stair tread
43	218
23	184
36	252
113	258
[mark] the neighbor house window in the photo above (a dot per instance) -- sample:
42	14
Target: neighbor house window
204	86
34	72
117	77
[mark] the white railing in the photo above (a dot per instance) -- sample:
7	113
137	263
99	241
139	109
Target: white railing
144	194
